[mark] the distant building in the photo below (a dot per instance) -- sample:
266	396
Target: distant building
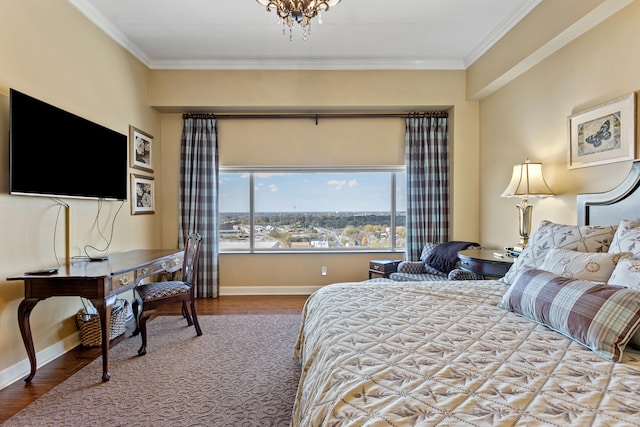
227	226
244	245
300	245
319	244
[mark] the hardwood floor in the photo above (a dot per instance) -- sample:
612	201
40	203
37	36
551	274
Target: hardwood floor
20	394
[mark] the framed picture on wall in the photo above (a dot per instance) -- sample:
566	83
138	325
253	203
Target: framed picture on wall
603	134
142	195
141	149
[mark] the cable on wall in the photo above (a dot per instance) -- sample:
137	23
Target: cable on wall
97	223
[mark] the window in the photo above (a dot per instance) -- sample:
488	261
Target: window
276	209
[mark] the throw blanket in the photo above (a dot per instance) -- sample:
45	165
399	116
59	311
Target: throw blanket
445	256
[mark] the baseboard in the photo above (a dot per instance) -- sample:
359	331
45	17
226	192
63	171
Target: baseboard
267	290
21	369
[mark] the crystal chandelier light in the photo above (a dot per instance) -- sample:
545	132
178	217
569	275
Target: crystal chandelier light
298	11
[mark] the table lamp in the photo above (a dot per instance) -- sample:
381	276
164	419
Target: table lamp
526	181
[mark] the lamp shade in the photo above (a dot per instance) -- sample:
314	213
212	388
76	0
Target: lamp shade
527	180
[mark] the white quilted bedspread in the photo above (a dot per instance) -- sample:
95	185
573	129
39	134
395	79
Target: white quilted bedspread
442	353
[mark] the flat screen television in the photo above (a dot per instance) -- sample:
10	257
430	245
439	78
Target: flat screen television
58	154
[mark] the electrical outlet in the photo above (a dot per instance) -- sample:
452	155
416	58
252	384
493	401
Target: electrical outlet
324	270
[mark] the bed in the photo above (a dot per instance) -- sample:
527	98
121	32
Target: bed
482	353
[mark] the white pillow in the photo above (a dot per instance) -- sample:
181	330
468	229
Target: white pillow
627	238
591	266
626	273
585	238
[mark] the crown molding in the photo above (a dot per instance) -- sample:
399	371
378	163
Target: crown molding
503	28
305	65
91	13
101	22
94	15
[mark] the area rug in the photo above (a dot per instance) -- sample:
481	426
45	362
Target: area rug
240	372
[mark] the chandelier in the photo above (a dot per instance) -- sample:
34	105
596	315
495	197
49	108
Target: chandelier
291	12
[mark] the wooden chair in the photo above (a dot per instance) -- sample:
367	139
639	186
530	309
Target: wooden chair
149	296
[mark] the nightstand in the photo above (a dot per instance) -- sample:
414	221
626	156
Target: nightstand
383	267
485	263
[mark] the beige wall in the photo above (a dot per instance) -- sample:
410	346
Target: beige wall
50	51
298	142
53	53
527	118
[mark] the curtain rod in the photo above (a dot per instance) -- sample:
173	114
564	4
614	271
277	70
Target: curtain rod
316	116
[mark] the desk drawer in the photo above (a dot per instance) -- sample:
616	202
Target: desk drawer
384	265
169	265
175	263
121	280
150	269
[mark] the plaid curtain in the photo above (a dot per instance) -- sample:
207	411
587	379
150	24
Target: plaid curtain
426	158
199	195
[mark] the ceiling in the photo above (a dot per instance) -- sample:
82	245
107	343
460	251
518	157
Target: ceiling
355	34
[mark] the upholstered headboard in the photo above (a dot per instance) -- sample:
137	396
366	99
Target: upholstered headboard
610	207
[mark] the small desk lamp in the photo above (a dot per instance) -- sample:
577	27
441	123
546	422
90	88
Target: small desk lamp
526	181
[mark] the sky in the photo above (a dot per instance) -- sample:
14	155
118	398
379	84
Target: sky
311	192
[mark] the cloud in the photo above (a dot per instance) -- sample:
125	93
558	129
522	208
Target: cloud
261	185
268	174
336	183
340	184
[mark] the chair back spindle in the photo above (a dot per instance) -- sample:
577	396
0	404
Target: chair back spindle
191	259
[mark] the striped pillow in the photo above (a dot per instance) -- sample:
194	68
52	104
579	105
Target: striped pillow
627	274
601	317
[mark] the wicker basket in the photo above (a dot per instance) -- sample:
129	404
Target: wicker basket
90	334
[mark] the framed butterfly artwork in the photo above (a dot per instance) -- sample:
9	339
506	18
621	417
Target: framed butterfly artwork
603	134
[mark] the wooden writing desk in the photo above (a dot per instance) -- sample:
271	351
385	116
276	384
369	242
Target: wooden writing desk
99	282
